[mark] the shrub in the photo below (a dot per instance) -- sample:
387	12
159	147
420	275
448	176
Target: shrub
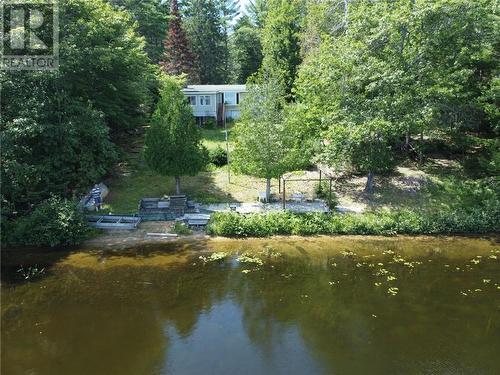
218	156
478	220
209	123
181	229
55	221
322	191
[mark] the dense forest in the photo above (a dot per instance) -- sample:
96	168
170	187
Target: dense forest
357	85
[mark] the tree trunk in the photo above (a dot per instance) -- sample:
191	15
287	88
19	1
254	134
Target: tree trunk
421	152
369	183
407	139
268	190
177	185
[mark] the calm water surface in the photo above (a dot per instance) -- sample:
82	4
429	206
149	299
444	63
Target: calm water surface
284	306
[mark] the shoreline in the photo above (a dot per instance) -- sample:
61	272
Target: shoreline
128	239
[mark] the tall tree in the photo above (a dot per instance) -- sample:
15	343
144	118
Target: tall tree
152	18
403	68
178	56
173	141
229	10
246	51
55	126
205	31
280	42
265	146
257	11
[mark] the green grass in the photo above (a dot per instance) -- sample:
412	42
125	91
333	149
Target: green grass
214	137
445	185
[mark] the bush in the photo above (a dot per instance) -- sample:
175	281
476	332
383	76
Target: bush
218	156
181	229
322	191
209	123
472	221
55	221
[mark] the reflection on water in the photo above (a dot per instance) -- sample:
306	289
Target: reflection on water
288	306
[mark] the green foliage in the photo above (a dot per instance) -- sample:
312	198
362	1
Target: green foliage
181	229
206	32
53	222
246	50
218	156
173	141
45	156
152	18
103	62
280	42
322	191
378	73
365	147
486	160
264	145
257	11
209	123
473	221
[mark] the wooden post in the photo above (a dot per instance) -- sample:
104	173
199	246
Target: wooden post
320	178
279	185
284	195
227	154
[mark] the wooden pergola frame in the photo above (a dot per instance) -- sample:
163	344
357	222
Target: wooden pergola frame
320	179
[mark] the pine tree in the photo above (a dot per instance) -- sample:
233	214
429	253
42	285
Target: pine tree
229	10
281	42
246	51
205	31
173	141
178	56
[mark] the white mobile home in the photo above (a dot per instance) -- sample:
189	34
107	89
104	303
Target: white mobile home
215	101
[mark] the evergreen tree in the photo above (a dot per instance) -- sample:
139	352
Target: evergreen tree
178	56
206	34
151	17
229	10
257	11
173	141
280	42
246	50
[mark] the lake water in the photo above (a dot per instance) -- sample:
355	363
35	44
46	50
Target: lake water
344	305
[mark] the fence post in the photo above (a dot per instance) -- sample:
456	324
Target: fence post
330	192
284	195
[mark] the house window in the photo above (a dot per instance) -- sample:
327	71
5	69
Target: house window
204	100
237	98
192	100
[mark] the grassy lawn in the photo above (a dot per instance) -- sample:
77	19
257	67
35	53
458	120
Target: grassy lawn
214	137
438	184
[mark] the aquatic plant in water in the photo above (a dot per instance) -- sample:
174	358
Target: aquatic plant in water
245	258
30	272
393	291
214	257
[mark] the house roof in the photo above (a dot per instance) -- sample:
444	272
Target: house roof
214	88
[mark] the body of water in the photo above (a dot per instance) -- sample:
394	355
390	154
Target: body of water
343	305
